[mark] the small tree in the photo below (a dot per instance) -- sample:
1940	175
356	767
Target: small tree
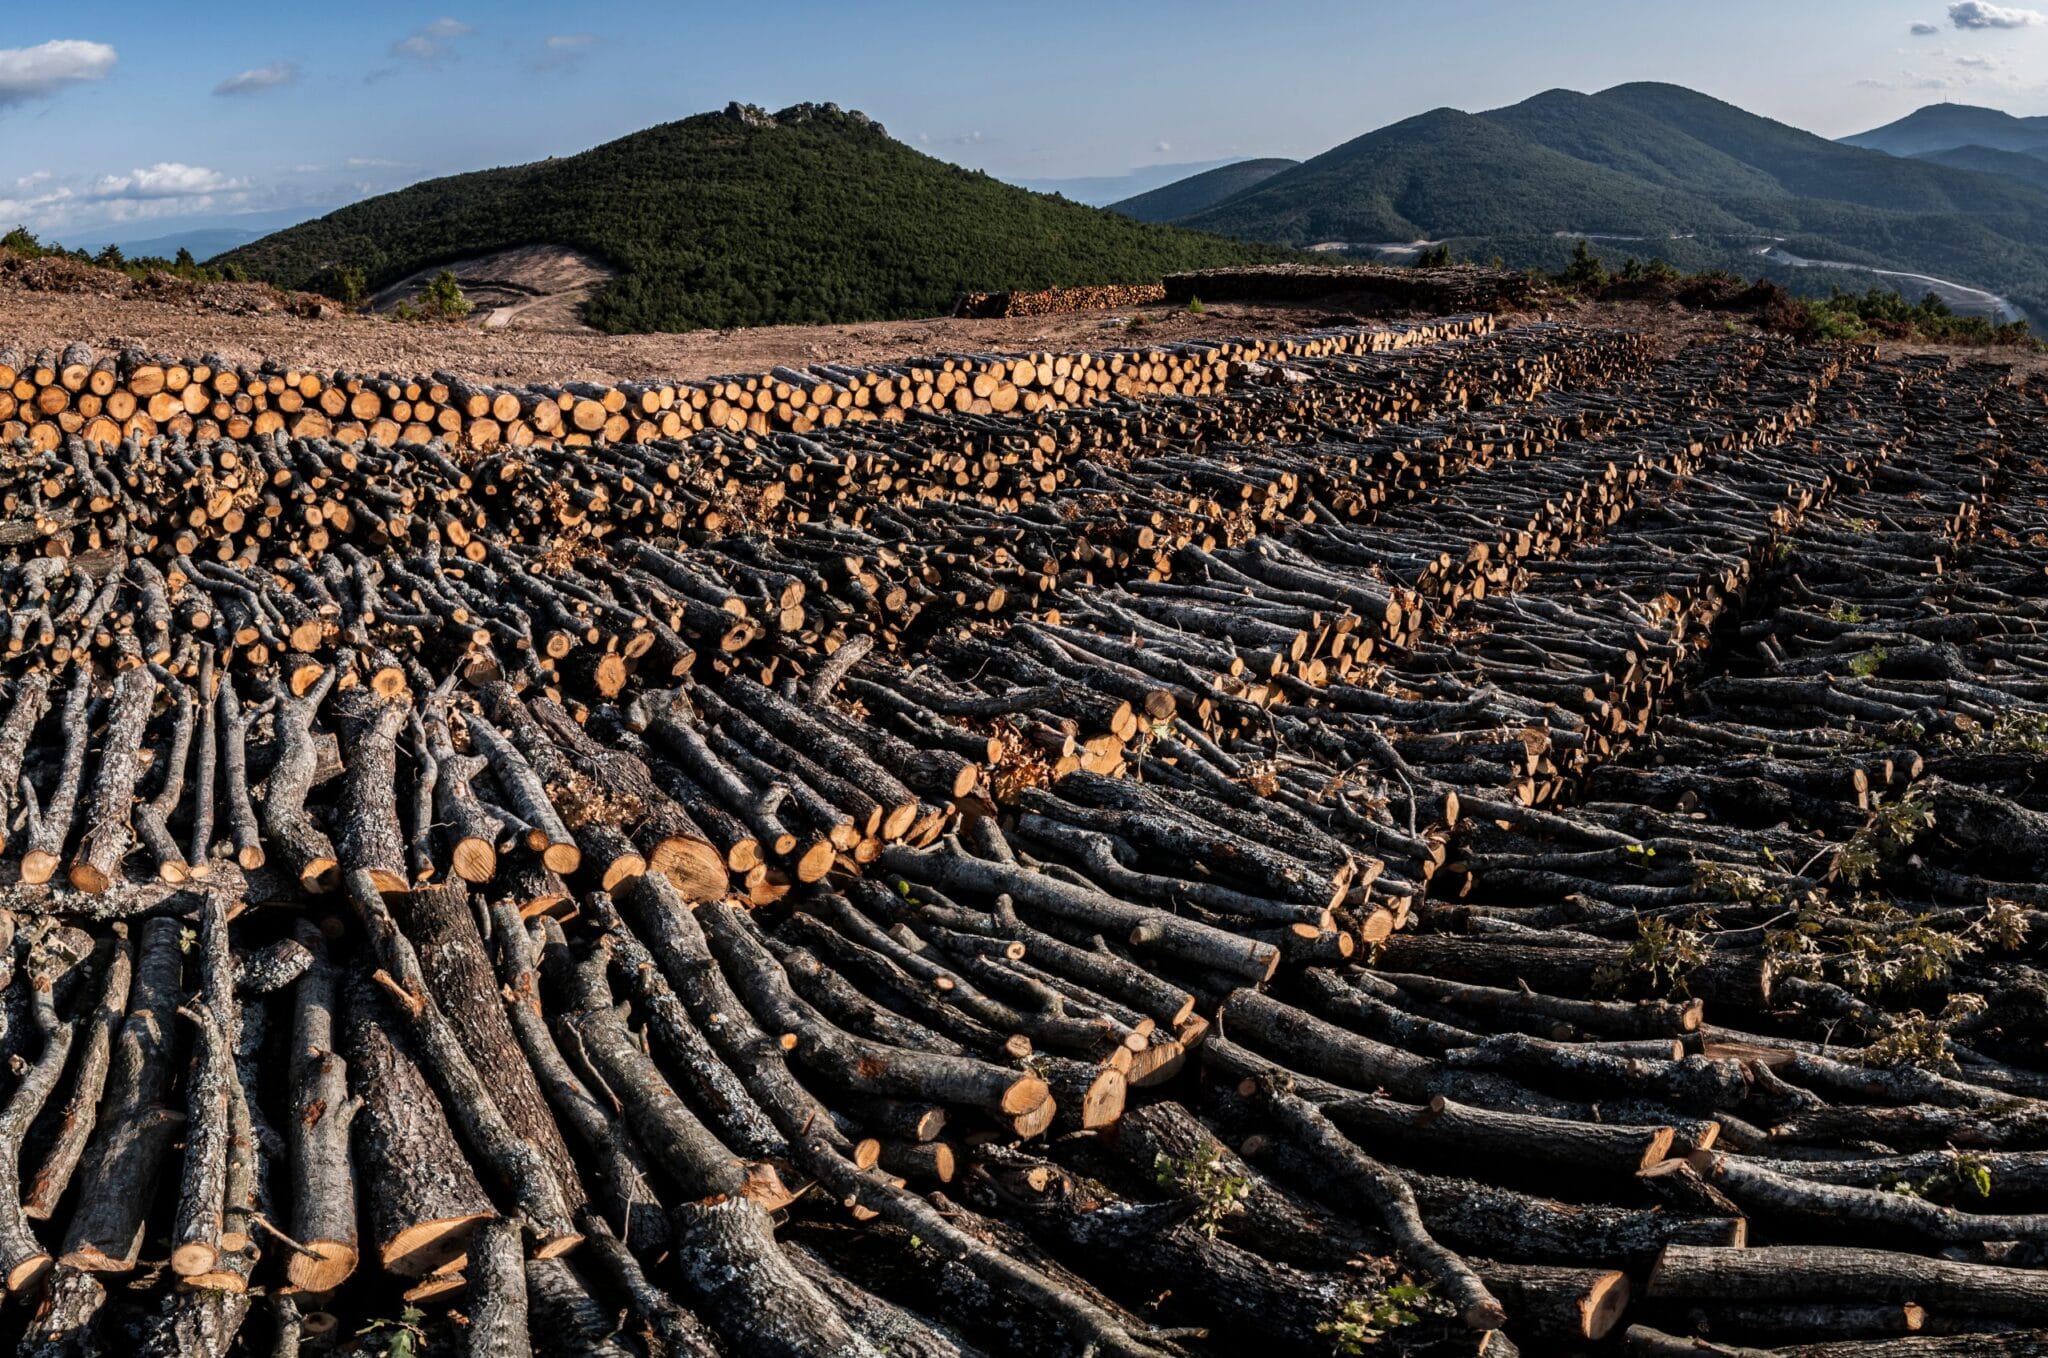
355	289
443	298
184	262
1435	257
1585	273
110	258
21	241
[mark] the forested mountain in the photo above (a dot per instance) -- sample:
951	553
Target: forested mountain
1942	127
2028	169
740	218
1810	166
1197	191
1447	172
1662	171
1598	131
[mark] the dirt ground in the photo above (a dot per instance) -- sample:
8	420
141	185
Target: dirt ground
31	321
531	350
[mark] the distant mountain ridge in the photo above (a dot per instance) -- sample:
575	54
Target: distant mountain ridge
1943	127
1200	190
1662	171
814	214
1447	172
1105	190
2018	165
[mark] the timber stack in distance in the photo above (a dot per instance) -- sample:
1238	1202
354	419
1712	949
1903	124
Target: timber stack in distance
1484	839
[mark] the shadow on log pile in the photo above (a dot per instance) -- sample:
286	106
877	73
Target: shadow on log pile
1513	843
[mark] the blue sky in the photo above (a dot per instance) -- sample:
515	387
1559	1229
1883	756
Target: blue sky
126	120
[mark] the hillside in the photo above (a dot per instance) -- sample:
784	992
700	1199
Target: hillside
1596	131
1665	172
1190	195
1810	166
2029	169
1448	173
737	218
1942	127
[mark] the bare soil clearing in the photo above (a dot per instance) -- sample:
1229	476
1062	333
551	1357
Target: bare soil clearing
530	350
536	287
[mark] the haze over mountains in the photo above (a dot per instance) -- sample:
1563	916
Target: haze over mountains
1663	171
1942	127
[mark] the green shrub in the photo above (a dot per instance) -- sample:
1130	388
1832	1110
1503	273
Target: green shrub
1586	273
443	298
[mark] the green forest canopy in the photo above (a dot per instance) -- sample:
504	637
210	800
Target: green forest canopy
737	218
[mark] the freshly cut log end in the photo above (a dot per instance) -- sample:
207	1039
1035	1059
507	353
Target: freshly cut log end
194	1258
439	1284
1103	1102
698	870
1025	1095
319	876
1600	1310
1036	1122
323	1266
39	866
816	861
622	870
475	860
562	858
26	1274
85	876
897	822
388	883
429	1247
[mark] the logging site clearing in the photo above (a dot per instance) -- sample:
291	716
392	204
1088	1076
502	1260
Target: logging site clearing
1465	832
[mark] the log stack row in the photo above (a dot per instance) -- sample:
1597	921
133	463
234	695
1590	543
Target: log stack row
1058	301
1464	287
105	398
1523	843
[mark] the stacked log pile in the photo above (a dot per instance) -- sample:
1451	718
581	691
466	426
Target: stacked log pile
1058	301
105	398
1464	287
1518	843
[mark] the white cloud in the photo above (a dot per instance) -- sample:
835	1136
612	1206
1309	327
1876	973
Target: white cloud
1977	63
563	52
432	43
370	163
259	79
166	189
166	179
1162	147
38	72
1924	29
1871	83
1978	14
